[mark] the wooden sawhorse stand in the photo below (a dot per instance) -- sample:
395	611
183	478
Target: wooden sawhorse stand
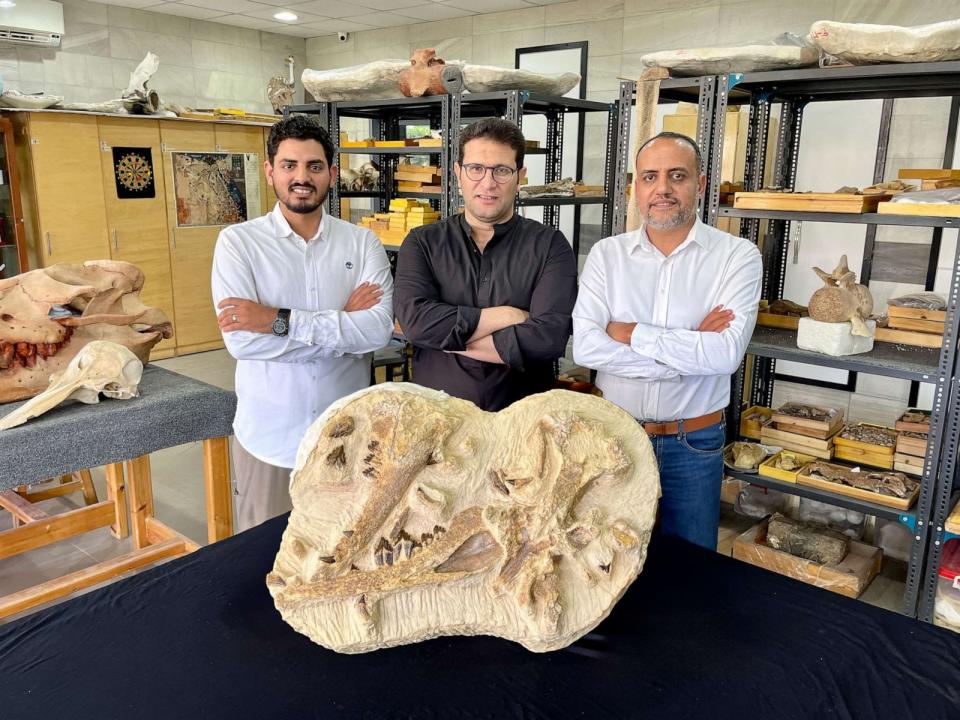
161	391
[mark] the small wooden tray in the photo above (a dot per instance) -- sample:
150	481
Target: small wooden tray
926	209
928	174
430	142
809	202
394	143
768	467
920	427
916	313
839	489
858	456
850	577
786	322
915	464
356	143
751	428
822	449
908	337
933	327
865	447
809	432
907	445
835	421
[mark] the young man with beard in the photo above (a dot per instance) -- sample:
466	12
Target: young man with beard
303	298
664	315
485	296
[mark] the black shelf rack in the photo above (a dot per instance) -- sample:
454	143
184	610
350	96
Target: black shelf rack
447	113
793	90
702	91
514	105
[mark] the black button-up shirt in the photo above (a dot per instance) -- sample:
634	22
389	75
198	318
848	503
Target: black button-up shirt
443	282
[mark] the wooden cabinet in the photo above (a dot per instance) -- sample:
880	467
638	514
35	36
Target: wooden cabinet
73	212
13	247
191	248
137	226
69	224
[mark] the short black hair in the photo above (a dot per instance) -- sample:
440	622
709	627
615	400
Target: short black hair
498	130
674	136
299	127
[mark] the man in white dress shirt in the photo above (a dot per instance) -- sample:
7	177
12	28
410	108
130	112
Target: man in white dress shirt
303	298
664	315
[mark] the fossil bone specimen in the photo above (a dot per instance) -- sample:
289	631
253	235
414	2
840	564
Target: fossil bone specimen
48	315
423	75
100	367
417	515
381	79
747	455
895	484
842	299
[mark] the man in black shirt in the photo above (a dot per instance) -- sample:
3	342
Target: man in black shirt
486	296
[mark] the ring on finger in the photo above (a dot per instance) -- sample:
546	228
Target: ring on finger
234	317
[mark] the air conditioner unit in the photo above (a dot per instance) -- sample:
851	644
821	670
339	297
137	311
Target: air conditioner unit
31	22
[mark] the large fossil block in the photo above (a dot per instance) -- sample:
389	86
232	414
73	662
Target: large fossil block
417	515
48	315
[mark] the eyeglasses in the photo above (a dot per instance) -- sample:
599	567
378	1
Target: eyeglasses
501	173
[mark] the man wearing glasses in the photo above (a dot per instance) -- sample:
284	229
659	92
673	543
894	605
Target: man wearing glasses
486	296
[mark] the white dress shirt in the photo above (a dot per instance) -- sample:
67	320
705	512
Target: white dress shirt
669	370
284	383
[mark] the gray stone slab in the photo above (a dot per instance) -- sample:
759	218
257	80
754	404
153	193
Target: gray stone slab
171	410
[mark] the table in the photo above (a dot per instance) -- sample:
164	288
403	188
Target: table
120	435
698	635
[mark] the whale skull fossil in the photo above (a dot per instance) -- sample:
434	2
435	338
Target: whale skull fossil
417	515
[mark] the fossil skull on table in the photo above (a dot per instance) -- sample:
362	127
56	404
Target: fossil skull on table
418	515
48	315
100	367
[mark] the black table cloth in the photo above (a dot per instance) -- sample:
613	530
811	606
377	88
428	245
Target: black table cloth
698	635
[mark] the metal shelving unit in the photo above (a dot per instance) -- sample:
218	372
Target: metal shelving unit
709	94
514	105
446	113
793	90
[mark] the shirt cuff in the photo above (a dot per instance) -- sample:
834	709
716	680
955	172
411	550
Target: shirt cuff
644	339
505	341
467	320
312	327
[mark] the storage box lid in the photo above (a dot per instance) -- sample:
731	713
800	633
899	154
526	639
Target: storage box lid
950	562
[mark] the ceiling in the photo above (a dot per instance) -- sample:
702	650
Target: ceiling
326	17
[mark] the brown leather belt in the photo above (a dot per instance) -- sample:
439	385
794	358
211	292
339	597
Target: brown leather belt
689	425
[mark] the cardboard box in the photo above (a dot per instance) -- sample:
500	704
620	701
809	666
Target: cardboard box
850	577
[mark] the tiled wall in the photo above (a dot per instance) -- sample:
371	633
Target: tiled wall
202	64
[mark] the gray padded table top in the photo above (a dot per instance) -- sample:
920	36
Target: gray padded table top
171	410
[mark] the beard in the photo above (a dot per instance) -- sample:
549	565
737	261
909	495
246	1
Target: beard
683	215
303	205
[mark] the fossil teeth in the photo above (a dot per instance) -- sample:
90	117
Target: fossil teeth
438	531
426	539
404	546
337	457
342	426
383	555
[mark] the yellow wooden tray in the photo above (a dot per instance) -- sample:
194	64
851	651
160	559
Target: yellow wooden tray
768	467
927	209
888	500
809	202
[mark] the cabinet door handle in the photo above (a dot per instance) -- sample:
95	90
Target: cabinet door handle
49	245
116	242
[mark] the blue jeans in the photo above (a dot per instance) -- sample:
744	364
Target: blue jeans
691	470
